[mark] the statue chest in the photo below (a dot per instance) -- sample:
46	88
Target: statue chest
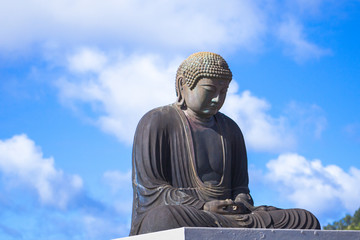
208	153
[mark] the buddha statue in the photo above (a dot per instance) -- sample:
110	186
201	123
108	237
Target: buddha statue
190	162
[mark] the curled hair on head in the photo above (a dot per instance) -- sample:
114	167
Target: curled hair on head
201	65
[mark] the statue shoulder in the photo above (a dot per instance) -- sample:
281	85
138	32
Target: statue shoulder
229	123
227	119
159	116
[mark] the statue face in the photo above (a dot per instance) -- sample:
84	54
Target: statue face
206	98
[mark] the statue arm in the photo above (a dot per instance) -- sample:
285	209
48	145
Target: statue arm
152	165
240	178
157	191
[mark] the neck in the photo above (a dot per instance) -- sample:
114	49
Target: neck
196	117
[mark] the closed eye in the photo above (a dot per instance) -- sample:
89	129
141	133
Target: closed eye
209	88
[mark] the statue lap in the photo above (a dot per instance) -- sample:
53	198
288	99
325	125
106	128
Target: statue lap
176	216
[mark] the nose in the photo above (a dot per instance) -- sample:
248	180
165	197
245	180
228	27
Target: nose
216	98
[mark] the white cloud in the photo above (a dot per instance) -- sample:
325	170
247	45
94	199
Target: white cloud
22	162
262	131
122	90
96	227
307	118
135	25
118	180
292	34
313	186
121	188
162	24
87	60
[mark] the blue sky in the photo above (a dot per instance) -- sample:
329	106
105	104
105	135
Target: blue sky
76	76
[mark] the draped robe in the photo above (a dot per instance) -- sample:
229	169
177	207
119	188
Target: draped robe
167	191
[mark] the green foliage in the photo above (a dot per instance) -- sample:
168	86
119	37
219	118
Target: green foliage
346	223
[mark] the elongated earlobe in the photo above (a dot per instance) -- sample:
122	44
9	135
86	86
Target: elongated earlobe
180	101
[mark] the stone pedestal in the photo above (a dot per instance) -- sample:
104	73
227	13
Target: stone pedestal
245	234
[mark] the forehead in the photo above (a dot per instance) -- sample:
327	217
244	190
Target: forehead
214	81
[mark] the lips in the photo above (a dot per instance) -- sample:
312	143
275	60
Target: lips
213	107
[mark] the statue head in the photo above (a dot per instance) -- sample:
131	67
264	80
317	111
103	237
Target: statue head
201	83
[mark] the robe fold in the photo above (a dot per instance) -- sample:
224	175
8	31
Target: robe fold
167	191
164	171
